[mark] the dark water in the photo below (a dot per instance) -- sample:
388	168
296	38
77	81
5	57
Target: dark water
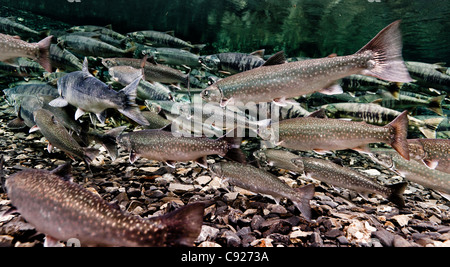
313	28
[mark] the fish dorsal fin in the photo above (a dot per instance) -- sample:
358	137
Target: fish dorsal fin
277	59
332	55
109	26
86	66
64	171
318	114
258	53
171	33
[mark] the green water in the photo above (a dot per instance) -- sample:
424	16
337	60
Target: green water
313	28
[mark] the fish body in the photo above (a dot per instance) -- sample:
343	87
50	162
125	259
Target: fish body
82	90
63	210
429	75
341	176
166	147
233	62
153	72
412	170
310	133
87	46
435	153
9	26
12	47
160	39
279	158
380	58
260	181
98	29
20	70
174	56
378	115
58	136
63	59
30	89
124	74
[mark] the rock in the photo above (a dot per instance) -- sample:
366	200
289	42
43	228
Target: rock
203	180
6	241
230	196
231	238
209	244
207	233
180	188
400	242
316	240
263	242
386	238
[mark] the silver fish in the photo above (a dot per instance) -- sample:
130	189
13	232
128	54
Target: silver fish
260	181
334	174
63	210
12	47
86	46
233	62
161	39
380	58
82	90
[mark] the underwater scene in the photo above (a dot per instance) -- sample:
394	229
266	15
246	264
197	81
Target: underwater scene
233	124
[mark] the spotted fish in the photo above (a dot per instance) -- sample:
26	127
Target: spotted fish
12	47
260	181
64	210
435	153
311	133
380	58
168	147
334	174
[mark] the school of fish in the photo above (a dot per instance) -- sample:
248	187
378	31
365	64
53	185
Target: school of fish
180	105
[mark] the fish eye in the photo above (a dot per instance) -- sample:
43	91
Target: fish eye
206	93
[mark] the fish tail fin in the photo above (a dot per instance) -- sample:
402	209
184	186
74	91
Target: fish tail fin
431	125
396	195
400	128
129	107
435	104
183	225
304	195
386	51
90	154
44	53
234	147
108	140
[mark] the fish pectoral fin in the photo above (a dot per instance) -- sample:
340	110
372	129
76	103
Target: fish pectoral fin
79	113
224	102
58	102
322	151
49	148
34	129
101	117
432	164
171	163
202	162
133	156
332	89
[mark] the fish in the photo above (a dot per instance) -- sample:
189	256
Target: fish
125	74
260	181
345	177
63	59
82	90
364	83
9	26
174	56
409	100
12	47
156	121
107	30
434	153
86	46
153	91
233	62
169	147
161	39
380	58
153	72
378	115
30	89
63	210
58	136
20	70
429	75
412	170
323	134
278	158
